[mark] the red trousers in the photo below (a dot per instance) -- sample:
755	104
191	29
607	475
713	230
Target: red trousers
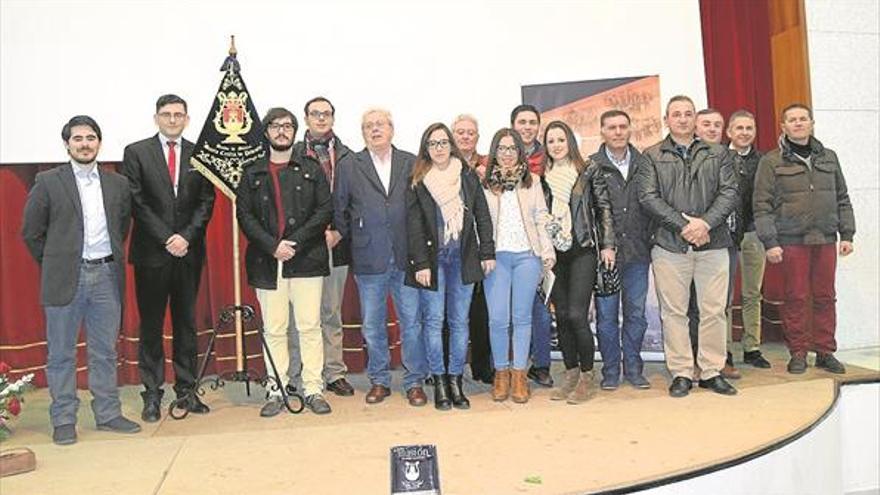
808	272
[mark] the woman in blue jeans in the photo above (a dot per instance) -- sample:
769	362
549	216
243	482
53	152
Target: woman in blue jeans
580	224
450	247
523	252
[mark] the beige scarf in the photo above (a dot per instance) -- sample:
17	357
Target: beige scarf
561	178
445	188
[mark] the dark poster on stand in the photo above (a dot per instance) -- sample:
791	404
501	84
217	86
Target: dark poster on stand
414	470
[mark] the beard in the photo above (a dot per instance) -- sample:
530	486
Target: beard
281	147
80	160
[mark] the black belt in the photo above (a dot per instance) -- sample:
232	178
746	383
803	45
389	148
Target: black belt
99	261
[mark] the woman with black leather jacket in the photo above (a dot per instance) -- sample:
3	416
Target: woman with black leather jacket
580	225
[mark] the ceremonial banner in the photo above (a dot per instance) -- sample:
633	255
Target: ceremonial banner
232	137
580	104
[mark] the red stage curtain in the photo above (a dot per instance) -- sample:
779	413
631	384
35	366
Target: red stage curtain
739	74
22	324
736	52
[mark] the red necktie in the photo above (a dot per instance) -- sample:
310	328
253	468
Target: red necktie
172	161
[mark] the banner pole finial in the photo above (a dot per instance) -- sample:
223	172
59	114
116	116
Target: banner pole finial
232	50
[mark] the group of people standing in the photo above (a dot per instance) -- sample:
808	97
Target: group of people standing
460	242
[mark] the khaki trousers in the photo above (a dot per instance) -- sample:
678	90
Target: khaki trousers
751	262
303	297
331	327
673	274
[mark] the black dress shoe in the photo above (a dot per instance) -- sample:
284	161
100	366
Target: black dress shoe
196	406
64	435
441	393
341	387
718	385
680	387
540	376
151	412
797	365
830	363
456	393
756	359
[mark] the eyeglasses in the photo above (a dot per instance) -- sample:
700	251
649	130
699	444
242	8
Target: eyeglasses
443	143
369	126
315	114
287	126
169	115
506	149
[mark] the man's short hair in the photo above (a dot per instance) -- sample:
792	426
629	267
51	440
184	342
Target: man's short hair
794	106
317	99
168	100
610	114
465	117
524	108
679	98
279	113
739	114
381	111
709	111
79	120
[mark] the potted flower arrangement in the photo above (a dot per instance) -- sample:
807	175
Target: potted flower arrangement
11	397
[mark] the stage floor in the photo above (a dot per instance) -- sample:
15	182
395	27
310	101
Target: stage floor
617	439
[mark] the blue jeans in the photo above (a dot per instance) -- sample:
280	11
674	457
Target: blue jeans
541	322
97	304
453	297
634	281
504	297
373	290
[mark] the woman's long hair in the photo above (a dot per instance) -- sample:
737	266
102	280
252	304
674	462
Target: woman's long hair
492	162
423	161
574	154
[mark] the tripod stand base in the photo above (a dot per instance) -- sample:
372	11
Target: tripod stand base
294	403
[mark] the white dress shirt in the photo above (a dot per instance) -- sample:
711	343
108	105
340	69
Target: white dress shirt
383	168
96	238
177	151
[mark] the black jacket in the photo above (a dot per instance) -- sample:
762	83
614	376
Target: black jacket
745	167
476	239
703	186
308	208
632	224
591	221
342	252
158	212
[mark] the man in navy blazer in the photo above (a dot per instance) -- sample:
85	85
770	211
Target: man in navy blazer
75	221
172	204
370	210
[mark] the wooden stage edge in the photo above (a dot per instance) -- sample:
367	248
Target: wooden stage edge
617	442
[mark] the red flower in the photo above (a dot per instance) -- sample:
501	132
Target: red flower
4	368
14	406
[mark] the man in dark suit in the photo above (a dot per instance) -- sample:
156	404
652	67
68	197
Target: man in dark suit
75	222
370	210
172	204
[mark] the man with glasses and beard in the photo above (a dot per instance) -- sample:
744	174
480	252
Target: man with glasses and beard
284	207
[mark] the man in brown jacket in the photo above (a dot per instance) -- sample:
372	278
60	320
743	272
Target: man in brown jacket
801	206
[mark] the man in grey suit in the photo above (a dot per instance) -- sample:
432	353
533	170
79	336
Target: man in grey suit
75	221
370	210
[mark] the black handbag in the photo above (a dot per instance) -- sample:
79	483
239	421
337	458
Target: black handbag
607	280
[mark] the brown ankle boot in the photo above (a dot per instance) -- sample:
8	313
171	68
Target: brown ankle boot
519	386
569	382
582	392
501	385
